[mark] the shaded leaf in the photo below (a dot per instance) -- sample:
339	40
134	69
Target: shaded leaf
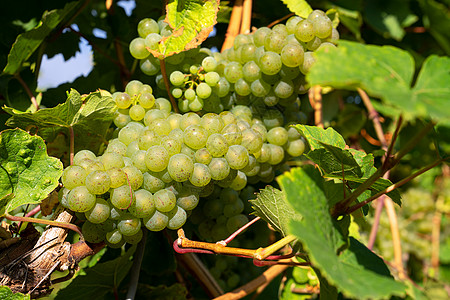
191	22
7	294
162	292
27	42
27	173
89	116
99	280
299	7
386	72
437	20
355	271
271	206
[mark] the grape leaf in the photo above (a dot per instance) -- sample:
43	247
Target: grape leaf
437	21
99	280
299	7
350	266
27	42
27	173
271	206
191	22
90	117
7	294
386	72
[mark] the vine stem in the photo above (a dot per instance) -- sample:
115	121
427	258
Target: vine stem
396	241
136	267
234	26
27	90
237	232
71	145
246	17
269	275
46	222
315	99
162	63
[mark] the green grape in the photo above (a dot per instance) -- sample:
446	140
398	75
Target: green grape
165	200
292	55
222	88
180	167
174	121
177	78
132	148
233	71
313	44
148	139
233	209
239	182
189	94
187	200
146	100
117	215
251	71
73	176
276	154
123	100
200	176
133	88
187	151
242	87
137	112
112	160
219	168
117	177
195	136
233	281
236	222
247	52
212	78
202	156
177	93
129	226
304	31
326	45
217	145
251	140
177	218
137	48
91	165
237	157
152	41
121	120
80	155
134	176
232	134
295	148
133	239
98	182
322	26
116	146
189	119
203	90
138	159
129	134
164	105
157	222
99	213
92	233
227	117
270	63
212	123
260	88
150	66
196	104
157	158
172	145
80	199
277	136
122	197
275	41
307	62
273	118
147	26
209	64
153	182
261	129
264	154
161	126
291	23
114	237
152	115
334	37
259	35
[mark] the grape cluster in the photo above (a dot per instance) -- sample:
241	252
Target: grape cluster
262	69
160	163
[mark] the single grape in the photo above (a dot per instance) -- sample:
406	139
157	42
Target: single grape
147	26
180	167
234	208
132	148
114	237
129	134
134	176
157	158
217	145
133	88
222	88
291	23
251	140
237	157
112	160
146	100
82	154
277	136
209	64
200	176
260	88
322	26
161	126
239	182
116	146
232	134
177	78
138	159
137	112
117	177
233	71
150	66
148	139
242	87
157	222
313	44
202	156
270	63
296	147
188	200
73	176
122	197
304	31
99	213
80	199
129	226
276	154
177	218
152	41
260	35
137	48
275	41
219	168
212	123
177	93
195	136
189	119
165	200
92	233
251	71
203	90
292	55
98	182
173	146
307	62
153	182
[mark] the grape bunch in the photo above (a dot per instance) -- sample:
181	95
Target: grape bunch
262	69
159	163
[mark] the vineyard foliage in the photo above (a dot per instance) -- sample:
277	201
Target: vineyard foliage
312	147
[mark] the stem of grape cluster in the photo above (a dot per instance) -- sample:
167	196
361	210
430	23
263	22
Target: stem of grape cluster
162	63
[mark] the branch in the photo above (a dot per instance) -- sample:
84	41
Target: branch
246	17
234	26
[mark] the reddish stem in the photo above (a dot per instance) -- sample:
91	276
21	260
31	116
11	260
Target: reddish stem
162	63
231	237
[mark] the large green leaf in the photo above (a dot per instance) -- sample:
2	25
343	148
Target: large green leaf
89	116
355	270
7	294
271	206
27	42
191	22
27	173
299	7
99	280
386	72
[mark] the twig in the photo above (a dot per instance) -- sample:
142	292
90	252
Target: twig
251	286
246	17
376	223
27	90
393	223
136	267
234	26
237	232
315	98
373	114
162	63
280	20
